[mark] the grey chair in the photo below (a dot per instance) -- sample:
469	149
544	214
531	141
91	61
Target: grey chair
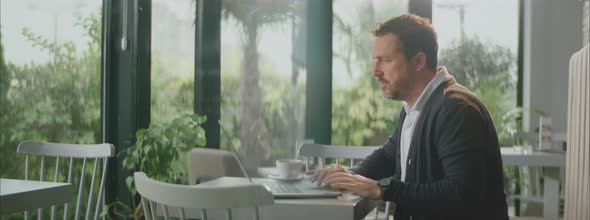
205	164
69	155
156	195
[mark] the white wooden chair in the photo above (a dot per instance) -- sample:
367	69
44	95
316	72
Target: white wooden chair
67	155
322	152
155	193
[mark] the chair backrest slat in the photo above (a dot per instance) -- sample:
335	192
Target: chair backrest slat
26	166
42	171
47	151
70	171
166	215
228	213
101	188
26	178
55	179
89	202
41	178
56	173
256	213
80	187
181	212
204	214
153	208
146	208
184	196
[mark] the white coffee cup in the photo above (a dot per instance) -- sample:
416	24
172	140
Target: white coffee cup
289	168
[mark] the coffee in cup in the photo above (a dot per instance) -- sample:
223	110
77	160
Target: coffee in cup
289	168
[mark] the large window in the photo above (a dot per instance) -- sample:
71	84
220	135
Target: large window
479	48
50	75
262	78
173	40
361	116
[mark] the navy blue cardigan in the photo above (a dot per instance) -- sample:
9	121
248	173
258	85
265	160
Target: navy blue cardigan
454	167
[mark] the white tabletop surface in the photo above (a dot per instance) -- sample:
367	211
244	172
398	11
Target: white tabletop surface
20	195
529	157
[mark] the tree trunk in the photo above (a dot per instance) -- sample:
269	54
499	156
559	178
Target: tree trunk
252	129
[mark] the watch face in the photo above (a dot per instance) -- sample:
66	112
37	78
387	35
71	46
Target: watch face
385	181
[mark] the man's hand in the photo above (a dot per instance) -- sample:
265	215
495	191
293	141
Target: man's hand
319	175
355	183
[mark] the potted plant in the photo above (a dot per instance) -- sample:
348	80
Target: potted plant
158	152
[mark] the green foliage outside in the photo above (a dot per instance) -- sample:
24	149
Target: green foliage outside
361	116
56	101
171	94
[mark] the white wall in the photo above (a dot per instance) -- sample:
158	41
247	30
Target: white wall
586	21
552	33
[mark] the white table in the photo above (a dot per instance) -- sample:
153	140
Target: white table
20	195
285	209
552	162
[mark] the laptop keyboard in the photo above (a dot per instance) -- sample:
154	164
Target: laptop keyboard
282	188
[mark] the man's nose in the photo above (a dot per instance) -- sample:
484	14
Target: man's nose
376	72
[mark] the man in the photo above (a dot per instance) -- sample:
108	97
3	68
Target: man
443	161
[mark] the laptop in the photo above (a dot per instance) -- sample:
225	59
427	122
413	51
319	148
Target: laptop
298	189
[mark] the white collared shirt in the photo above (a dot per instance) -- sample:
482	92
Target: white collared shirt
412	115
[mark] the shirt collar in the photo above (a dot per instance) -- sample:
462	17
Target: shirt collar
435	82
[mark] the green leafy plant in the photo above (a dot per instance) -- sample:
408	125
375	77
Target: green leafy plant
159	152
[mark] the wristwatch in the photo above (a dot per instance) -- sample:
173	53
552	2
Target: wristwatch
384	185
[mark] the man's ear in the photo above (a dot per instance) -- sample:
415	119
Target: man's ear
419	61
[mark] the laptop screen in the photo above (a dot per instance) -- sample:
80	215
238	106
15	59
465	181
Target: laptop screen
235	151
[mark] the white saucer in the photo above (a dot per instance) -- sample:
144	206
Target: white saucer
277	177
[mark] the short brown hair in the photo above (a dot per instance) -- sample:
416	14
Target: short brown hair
414	33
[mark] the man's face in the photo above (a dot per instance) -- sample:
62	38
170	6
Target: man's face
391	67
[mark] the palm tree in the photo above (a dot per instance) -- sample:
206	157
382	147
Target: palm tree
252	15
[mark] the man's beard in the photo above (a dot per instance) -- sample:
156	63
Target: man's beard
392	93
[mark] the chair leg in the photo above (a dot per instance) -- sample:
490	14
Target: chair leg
387	206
